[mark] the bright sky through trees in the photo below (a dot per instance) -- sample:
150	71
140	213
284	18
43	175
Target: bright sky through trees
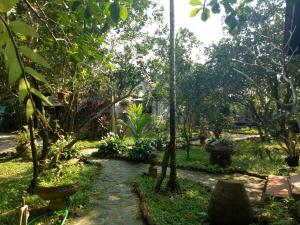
208	32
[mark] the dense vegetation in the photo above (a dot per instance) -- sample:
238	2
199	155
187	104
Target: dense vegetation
114	73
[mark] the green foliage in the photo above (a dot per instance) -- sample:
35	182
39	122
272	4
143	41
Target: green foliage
111	146
35	57
19	26
6	5
188	208
138	121
23	136
141	150
236	13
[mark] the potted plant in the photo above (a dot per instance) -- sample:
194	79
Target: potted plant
58	195
60	177
220	150
58	184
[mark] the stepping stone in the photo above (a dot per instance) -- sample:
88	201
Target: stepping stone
278	186
294	182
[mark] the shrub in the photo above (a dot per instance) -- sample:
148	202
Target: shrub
142	149
111	146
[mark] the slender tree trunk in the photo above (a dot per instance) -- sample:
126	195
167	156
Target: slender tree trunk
172	183
34	158
113	113
170	154
164	167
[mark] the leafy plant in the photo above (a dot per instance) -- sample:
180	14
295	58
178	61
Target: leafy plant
23	136
138	121
59	151
111	146
141	150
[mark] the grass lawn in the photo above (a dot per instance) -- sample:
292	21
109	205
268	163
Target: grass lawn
191	207
14	180
251	155
244	130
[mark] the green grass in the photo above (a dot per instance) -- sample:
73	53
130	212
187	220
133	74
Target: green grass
244	130
187	209
251	155
85	144
15	177
191	207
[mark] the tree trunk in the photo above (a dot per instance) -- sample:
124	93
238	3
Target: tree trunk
164	167
113	113
173	185
34	158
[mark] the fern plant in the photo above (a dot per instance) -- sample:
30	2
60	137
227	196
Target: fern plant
137	120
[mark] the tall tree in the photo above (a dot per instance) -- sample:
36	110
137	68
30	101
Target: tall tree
170	154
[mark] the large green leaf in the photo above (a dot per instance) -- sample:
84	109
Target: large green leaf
40	95
75	5
9	52
19	26
123	12
114	9
35	57
3	34
195	11
35	74
216	8
29	109
15	71
23	91
205	14
12	63
6	5
195	2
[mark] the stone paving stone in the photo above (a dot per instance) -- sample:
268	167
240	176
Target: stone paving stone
278	186
294	181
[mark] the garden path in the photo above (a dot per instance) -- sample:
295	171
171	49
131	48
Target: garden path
7	143
235	137
119	205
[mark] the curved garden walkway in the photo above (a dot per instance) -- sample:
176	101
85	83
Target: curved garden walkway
119	205
7	143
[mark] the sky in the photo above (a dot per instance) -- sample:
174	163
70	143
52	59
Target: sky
207	32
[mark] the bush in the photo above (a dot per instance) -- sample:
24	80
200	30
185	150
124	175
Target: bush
111	146
142	149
